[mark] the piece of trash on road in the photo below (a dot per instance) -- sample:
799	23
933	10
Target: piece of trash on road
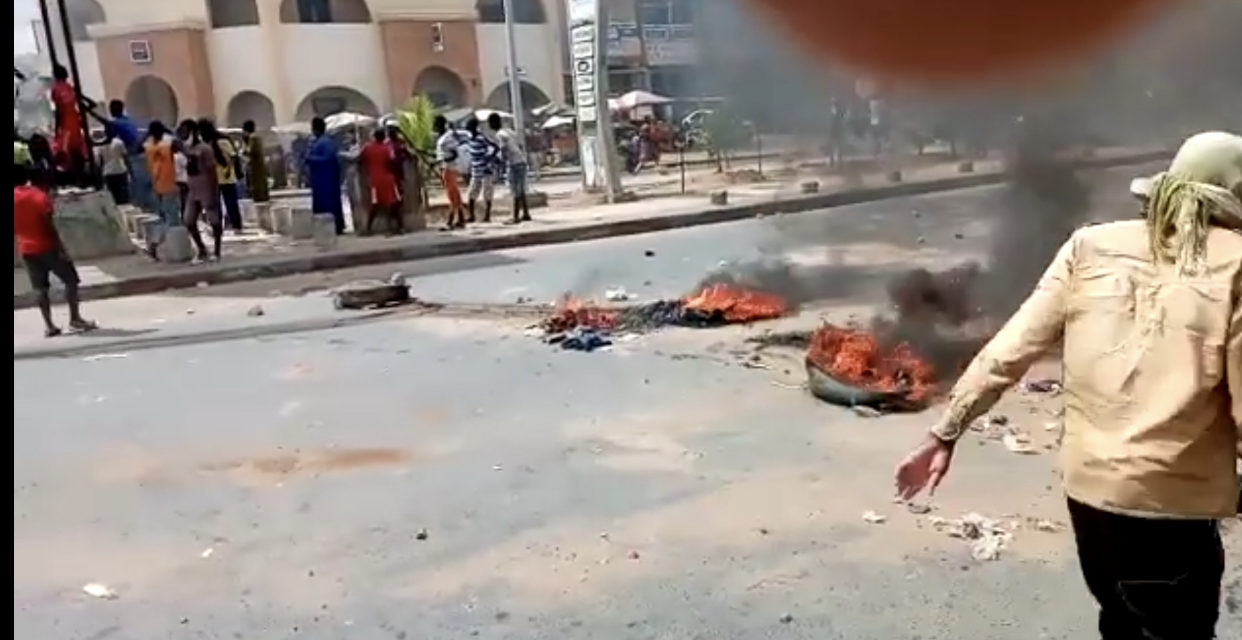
1045	385
618	294
1047	526
918	509
255	311
421	534
583	339
863	411
1019	444
105	356
987	537
206	553
99	590
872	517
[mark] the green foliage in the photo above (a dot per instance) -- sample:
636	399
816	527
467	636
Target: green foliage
415	119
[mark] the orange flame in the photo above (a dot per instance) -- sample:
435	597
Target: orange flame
856	357
735	304
573	313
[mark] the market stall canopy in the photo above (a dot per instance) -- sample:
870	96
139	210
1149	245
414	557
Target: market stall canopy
347	119
640	99
550	110
559	121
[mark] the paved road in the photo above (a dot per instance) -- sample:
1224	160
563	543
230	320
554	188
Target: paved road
436	478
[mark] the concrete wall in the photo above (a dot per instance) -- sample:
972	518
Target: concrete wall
240	60
537	53
335	55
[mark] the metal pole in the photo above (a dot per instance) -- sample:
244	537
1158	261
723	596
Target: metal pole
515	81
72	56
47	32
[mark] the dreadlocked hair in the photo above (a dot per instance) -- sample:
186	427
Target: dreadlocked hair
1179	216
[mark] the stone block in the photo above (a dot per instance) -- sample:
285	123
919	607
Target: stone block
263	216
809	187
966	166
894	176
719	197
323	231
91	225
176	247
248	212
301	224
282	215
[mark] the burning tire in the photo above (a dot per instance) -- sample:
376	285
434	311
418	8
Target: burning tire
370	293
853	367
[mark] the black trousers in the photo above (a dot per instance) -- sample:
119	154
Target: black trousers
1154	579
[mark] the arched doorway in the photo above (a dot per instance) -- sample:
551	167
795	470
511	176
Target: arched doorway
232	13
441	86
251	105
524	11
326	101
82	13
532	97
324	11
151	98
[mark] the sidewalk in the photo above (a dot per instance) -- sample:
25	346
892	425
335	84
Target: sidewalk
252	257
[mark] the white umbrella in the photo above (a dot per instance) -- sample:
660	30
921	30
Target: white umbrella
559	121
640	99
293	128
347	119
551	109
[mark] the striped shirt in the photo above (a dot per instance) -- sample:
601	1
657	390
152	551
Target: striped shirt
483	153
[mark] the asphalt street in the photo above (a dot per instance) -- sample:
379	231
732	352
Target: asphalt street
428	477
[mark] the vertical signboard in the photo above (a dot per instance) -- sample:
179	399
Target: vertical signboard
588	51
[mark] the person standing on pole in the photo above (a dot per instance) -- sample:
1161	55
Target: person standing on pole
70	139
1150	314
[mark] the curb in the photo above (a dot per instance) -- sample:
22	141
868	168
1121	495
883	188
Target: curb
188	278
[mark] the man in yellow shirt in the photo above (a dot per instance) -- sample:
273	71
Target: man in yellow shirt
1150	316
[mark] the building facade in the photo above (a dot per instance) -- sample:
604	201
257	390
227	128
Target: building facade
281	61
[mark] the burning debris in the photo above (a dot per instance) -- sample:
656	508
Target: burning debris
714	305
853	367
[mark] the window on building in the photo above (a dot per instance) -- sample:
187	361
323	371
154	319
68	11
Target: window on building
666	12
232	13
524	11
324	11
315	10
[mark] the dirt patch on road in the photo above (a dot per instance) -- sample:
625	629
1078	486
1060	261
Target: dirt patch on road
299	463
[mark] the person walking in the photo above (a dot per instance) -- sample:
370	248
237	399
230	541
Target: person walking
484	155
323	164
226	171
256	163
515	162
162	167
453	159
114	164
203	195
377	162
42	251
1150	316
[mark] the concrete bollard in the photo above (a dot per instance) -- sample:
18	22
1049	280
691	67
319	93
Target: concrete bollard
301	224
809	187
248	214
282	215
176	246
535	199
150	228
263	216
323	231
966	166
894	176
719	197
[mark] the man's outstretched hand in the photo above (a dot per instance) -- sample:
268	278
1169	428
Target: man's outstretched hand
925	467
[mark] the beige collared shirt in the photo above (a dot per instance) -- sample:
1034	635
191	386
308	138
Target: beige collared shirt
1152	372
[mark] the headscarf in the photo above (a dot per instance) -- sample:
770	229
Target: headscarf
1201	188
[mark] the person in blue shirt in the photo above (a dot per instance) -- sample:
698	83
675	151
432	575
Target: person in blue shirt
127	131
323	163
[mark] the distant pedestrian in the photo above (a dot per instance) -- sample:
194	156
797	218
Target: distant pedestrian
42	251
377	161
453	159
514	155
114	162
256	163
226	171
203	195
323	165
484	156
180	143
128	131
162	167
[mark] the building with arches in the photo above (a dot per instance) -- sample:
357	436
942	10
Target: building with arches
281	61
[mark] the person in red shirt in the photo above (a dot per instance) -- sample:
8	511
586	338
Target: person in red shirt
41	250
70	139
378	165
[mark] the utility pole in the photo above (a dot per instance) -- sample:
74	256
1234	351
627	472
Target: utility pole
47	32
515	80
72	56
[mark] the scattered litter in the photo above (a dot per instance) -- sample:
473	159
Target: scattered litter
998	420
619	294
918	509
255	311
1045	385
206	553
872	517
866	412
497	467
632	555
1052	426
649	253
1018	443
787	618
535	332
99	590
603	535
421	535
584	339
987	537
784	385
1048	526
105	356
